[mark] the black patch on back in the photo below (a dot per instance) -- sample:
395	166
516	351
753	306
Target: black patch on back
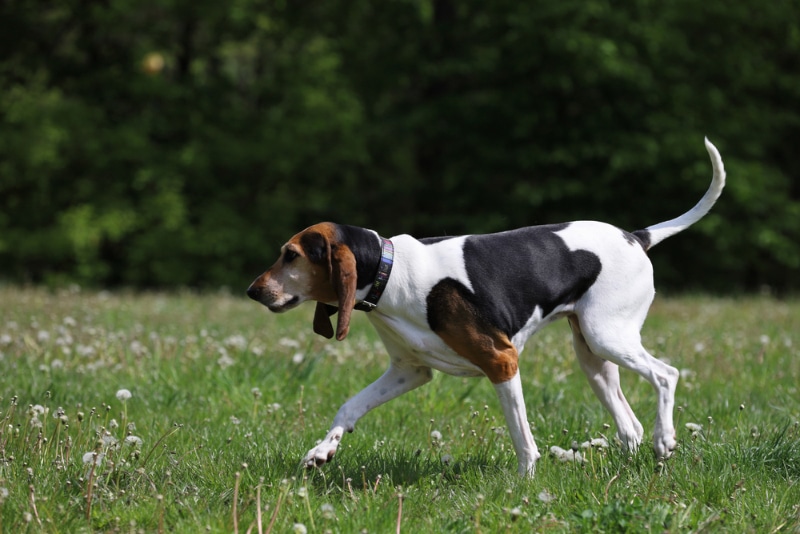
642	237
367	250
513	272
434	240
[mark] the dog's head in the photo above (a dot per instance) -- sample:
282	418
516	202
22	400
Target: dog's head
316	264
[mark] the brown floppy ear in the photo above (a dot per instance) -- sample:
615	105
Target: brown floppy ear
344	279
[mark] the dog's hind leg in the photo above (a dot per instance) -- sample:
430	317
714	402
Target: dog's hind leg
620	343
603	377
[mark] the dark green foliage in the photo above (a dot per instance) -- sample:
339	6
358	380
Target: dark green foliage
180	143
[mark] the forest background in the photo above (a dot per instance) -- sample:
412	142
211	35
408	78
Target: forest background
176	143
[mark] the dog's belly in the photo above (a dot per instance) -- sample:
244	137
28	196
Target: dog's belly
411	345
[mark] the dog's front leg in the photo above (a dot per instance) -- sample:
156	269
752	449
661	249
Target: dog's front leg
393	383
513	404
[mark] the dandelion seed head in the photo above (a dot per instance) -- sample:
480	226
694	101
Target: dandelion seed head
694	427
237	342
137	348
225	361
134	441
123	395
289	343
299	528
436	435
545	496
89	457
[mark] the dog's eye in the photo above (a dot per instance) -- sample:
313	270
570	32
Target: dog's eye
289	256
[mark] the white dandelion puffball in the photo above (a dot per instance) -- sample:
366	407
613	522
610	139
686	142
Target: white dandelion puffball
123	395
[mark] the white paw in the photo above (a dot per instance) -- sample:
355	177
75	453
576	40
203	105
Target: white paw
630	441
322	453
664	445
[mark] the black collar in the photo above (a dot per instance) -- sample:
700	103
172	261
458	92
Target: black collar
381	279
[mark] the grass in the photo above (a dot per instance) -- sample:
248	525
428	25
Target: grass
226	398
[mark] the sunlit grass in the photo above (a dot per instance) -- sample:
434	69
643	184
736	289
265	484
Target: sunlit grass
187	413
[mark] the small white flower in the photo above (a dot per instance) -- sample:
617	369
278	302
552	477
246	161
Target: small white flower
699	347
764	339
5	339
256	393
123	395
436	435
447	459
43	336
302	492
694	427
113	425
69	321
298	358
299	528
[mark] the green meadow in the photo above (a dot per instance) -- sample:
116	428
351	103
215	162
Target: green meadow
179	412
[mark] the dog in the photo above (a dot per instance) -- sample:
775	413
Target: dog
466	305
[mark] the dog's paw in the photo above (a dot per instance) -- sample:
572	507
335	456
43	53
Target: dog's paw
323	452
664	446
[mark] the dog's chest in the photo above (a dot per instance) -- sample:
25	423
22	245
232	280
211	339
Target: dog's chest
416	345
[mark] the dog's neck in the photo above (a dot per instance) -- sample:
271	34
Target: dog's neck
384	270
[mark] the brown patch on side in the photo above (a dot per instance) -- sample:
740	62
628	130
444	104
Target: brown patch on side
458	322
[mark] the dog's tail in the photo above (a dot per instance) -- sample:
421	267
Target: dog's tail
653	235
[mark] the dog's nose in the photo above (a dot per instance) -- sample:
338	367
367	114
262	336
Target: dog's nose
254	292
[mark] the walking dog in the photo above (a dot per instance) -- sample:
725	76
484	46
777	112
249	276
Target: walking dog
466	306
